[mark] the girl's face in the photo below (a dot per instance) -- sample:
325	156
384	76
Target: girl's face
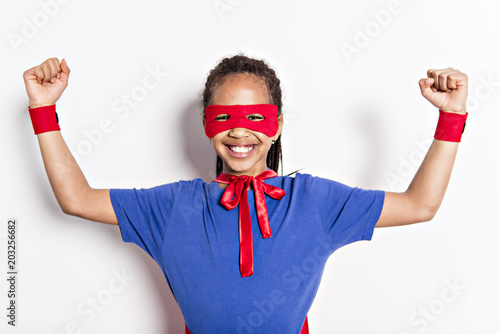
243	151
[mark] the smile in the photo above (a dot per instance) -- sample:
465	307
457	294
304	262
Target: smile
241	149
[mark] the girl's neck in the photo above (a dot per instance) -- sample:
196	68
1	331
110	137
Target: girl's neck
229	171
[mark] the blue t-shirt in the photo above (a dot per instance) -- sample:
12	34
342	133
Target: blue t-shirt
194	240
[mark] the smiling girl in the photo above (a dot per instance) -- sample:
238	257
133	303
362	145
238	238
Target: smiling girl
255	269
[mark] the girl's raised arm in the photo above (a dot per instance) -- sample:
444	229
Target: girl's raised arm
446	89
44	84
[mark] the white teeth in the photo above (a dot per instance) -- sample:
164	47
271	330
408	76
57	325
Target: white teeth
241	149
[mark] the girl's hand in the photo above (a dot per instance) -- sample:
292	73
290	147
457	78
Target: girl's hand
446	89
46	82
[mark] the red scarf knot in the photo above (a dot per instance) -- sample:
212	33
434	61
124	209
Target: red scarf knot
236	193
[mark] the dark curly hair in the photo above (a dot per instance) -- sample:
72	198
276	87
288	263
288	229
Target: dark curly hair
242	64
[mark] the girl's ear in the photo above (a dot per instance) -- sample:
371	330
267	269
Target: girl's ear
280	127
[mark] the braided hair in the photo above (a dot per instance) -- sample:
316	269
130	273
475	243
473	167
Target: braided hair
242	64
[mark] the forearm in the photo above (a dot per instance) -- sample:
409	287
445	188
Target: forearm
420	202
65	176
427	189
72	191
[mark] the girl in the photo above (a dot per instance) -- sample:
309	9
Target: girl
256	268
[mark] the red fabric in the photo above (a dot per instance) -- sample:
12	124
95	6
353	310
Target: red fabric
238	118
305	328
236	193
44	119
450	126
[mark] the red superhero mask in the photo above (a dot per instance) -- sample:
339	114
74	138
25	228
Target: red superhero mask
221	118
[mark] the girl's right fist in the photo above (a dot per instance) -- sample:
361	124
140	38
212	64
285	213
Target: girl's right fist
46	82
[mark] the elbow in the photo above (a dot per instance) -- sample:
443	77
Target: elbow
427	212
70	206
73	203
427	217
68	209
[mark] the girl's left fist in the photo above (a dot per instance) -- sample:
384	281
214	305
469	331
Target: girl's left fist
446	89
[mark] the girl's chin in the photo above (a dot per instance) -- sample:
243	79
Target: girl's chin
236	169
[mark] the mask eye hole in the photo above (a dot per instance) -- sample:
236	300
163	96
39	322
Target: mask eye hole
222	117
255	117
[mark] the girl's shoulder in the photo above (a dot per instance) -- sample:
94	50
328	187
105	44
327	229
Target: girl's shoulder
301	180
305	178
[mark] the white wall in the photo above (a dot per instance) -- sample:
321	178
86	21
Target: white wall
354	117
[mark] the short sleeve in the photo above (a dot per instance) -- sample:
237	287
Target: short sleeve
142	215
347	214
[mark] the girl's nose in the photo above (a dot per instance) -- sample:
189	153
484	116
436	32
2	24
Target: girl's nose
239	132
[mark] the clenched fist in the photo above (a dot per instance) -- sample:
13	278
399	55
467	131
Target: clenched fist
446	89
46	82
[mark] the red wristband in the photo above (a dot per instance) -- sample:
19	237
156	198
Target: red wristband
450	126
44	119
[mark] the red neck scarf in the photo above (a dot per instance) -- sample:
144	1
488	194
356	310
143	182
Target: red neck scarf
236	193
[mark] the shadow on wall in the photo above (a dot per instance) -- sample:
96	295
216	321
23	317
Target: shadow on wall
369	123
197	148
